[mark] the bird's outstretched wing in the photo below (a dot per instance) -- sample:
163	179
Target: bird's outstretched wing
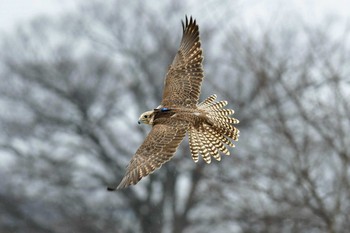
158	148
183	80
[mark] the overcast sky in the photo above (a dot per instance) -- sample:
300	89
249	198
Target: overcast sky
14	12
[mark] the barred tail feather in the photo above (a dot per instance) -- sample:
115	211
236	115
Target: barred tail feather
207	101
212	140
194	144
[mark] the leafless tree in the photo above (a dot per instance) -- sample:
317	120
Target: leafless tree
294	166
73	89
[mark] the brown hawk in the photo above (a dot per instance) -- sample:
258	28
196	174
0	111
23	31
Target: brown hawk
208	124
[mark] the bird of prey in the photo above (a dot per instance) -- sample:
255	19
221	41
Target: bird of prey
208	124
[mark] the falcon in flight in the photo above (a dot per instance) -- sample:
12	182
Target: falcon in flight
208	124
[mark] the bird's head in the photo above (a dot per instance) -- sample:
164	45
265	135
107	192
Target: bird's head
146	118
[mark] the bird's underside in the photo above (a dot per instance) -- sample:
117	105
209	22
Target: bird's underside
208	124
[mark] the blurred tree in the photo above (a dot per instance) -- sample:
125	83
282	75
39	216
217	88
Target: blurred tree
72	92
293	169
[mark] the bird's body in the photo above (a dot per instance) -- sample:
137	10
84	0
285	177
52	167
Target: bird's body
208	124
192	116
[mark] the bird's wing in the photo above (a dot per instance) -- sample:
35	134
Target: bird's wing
183	80
158	148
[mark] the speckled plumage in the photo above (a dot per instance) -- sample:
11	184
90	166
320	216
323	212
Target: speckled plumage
208	124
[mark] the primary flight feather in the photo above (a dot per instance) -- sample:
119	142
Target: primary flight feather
208	124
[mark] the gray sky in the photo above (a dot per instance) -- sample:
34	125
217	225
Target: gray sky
15	12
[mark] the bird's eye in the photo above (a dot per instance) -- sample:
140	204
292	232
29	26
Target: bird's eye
145	116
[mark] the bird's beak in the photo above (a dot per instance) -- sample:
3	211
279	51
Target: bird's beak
139	122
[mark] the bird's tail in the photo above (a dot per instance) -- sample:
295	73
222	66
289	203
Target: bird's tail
211	139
